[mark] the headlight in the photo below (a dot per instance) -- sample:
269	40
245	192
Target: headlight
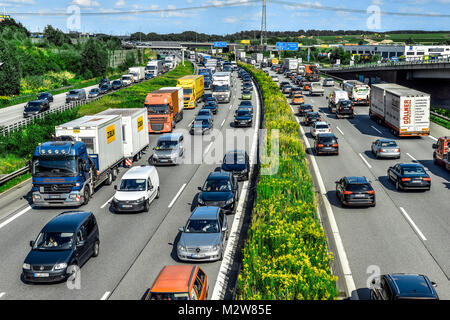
26	266
155	156
230	201
140	200
181	248
200	200
216	247
60	266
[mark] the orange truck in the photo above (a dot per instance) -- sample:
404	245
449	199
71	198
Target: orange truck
312	73
441	154
163	110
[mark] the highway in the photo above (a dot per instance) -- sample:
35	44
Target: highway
133	247
407	232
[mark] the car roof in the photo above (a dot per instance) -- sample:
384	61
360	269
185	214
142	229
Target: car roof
174	279
69	221
138	172
219	175
313	113
325	135
242	152
356	180
205	213
411	165
171	136
411	285
321	122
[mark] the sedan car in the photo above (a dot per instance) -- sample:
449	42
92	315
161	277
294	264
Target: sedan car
221	189
33	108
319	127
246	95
205	112
202	125
355	191
311	117
326	143
117	84
247	86
304	109
385	148
295	91
402	286
409	176
275	79
105	88
45	96
238	163
204	236
298	99
243	118
94	93
212	106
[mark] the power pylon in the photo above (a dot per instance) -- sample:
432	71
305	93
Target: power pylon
263	23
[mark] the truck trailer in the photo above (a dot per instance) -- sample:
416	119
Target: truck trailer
357	91
193	88
138	73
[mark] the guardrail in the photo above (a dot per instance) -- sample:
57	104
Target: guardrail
13	175
440	116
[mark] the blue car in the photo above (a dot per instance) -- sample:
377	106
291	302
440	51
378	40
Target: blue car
211	106
221	190
201	125
243	118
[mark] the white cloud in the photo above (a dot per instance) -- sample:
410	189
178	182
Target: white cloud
120	3
86	3
230	20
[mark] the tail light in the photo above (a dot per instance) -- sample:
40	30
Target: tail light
406	179
381	150
398	150
426	179
335	145
371	192
320	145
348	192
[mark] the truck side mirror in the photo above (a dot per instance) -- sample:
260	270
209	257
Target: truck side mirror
435	146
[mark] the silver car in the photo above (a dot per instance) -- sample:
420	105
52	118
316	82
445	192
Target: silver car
386	148
203	237
169	150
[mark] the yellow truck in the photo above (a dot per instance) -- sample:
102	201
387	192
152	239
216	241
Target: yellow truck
193	88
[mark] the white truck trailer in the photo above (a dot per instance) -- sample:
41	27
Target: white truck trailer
222	79
138	73
358	92
290	64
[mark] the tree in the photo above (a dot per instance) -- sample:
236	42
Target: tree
409	41
94	59
10	70
56	36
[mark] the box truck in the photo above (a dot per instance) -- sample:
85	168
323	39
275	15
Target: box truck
193	88
134	132
164	110
290	64
358	92
138	73
85	153
222	79
258	57
155	67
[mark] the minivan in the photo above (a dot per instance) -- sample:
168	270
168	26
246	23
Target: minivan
64	244
169	150
138	188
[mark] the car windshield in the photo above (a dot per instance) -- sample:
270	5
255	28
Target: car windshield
32	106
202	226
322	126
217	185
116	83
413	170
234	158
358	187
157	108
132	185
54	166
167	145
54	241
43	96
388	144
94	90
243	113
169	296
313	115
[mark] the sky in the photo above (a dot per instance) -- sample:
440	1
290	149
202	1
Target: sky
281	16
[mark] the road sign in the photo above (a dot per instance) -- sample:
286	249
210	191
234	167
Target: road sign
220	44
291	46
245	41
281	46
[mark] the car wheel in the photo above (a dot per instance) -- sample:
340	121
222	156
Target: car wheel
96	249
147	205
397	186
158	194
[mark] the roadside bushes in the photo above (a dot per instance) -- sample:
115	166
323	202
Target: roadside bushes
286	255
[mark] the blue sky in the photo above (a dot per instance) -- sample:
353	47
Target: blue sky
229	19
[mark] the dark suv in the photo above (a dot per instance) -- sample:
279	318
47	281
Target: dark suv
355	191
63	245
221	189
344	108
33	108
403	286
326	143
238	163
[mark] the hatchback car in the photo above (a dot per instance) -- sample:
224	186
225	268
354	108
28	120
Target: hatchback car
116	85
221	189
94	93
237	162
63	245
402	286
202	125
311	117
355	191
246	95
326	143
33	108
409	176
304	109
45	96
204	236
243	118
319	127
385	148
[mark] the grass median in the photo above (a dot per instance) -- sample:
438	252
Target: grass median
286	255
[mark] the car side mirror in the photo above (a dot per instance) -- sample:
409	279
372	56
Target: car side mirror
32	244
224	228
81	243
181	229
434	284
336	182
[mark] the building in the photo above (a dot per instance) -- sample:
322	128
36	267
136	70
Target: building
4	17
395	51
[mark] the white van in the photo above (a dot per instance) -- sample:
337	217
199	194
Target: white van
138	188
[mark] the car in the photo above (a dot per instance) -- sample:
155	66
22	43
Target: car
295	91
45	96
205	112
104	81
238	163
94	93
298	99
64	244
212	106
203	238
247	86
319	127
148	76
246	95
169	150
284	83
138	188
245	105
116	85
202	125
243	118
328	82
208	84
304	109
33	108
344	108
220	189
76	95
385	148
210	99
311	117
409	176
306	85
286	89
403	286
355	191
180	282
275	79
326	143
105	88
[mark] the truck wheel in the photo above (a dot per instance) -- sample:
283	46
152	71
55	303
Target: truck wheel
109	180
114	174
86	195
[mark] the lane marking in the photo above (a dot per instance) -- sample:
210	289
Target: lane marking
414	159
411	222
14	217
2	294
340	130
177	195
207	148
433	138
365	161
107	202
376	130
223	123
231	106
106	295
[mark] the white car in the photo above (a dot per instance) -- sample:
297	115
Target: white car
319	127
328	82
275	78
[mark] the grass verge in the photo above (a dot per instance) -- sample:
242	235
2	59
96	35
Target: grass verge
439	121
286	255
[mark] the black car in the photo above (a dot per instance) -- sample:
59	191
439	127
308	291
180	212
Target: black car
403	286
409	176
116	85
33	108
311	117
63	245
326	143
104	81
105	88
355	191
294	91
243	118
221	190
247	86
202	125
304	109
284	83
344	108
212	106
45	96
205	112
237	162
208	96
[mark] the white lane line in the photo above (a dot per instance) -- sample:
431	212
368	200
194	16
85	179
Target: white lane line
106	295
207	148
376	130
411	222
414	159
340	131
365	161
433	138
14	217
231	106
177	195
222	123
2	294
107	202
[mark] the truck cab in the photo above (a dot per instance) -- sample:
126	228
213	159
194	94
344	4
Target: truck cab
441	154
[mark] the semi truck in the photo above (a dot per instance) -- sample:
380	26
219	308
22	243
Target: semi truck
290	64
155	67
441	154
405	111
138	73
312	73
134	132
86	153
193	88
258	57
222	79
164	110
357	91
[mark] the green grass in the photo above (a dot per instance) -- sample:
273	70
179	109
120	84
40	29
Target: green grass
10	163
439	121
14	182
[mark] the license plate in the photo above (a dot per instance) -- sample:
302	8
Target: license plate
164	160
126	206
41	275
417	181
54	197
199	255
359	195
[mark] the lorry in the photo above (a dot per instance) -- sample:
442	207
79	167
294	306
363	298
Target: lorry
301	70
222	93
334	98
193	88
85	153
222	79
312	73
405	111
258	57
316	89
164	109
138	73
134	132
155	67
127	79
441	154
358	92
290	64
